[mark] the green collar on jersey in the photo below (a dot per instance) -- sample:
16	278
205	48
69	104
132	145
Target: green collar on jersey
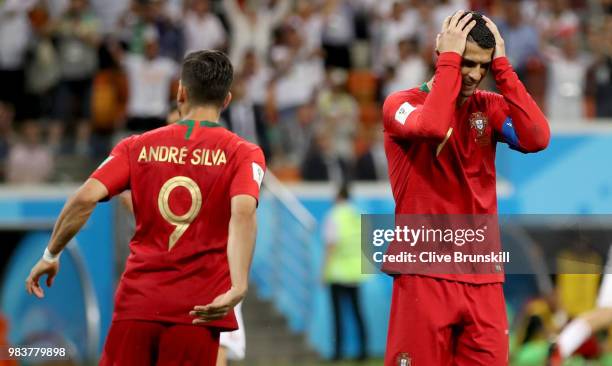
191	125
424	87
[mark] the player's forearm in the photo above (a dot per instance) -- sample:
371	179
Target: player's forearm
74	215
240	245
529	122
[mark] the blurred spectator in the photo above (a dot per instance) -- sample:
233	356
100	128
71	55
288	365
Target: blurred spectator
203	29
252	26
29	161
399	24
521	38
556	19
599	75
445	8
7	114
371	161
140	17
410	70
14	35
256	76
110	93
43	69
342	267
78	39
293	87
308	23
339	115
150	78
239	116
566	81
321	162
338	33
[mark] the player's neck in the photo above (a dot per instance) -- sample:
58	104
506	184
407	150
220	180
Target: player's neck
202	113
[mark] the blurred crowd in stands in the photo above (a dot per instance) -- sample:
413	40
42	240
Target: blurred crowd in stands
310	75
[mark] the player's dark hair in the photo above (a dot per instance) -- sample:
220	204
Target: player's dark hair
480	34
207	76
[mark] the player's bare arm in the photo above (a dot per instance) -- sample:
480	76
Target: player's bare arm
240	245
74	215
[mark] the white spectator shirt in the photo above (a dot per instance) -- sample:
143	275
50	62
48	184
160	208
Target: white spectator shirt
256	35
394	31
29	164
203	33
149	83
409	73
14	33
566	86
441	11
296	86
257	84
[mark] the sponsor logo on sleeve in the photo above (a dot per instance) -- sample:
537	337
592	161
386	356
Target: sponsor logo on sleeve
403	112
258	174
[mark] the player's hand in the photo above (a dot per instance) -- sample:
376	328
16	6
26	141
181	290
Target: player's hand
41	268
454	33
217	309
500	47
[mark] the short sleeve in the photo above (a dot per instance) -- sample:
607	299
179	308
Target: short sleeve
249	174
114	172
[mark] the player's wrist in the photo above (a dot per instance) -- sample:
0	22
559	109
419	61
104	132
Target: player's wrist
240	291
499	52
50	257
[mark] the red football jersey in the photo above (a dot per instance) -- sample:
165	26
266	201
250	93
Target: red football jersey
182	178
441	156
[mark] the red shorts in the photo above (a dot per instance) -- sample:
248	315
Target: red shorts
435	322
149	343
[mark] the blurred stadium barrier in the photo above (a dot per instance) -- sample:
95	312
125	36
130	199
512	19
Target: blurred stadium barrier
283	267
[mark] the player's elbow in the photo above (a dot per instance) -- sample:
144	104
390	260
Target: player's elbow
85	198
539	142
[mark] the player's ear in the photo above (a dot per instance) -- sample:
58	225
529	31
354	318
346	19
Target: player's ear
181	94
227	100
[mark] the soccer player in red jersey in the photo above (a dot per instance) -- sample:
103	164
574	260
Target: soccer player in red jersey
440	142
194	188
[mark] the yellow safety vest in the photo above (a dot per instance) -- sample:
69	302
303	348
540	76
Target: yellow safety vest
344	263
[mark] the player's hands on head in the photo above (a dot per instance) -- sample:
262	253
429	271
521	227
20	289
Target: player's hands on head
454	33
500	47
217	309
41	268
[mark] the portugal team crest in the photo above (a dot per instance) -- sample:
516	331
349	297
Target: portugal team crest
403	360
478	122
